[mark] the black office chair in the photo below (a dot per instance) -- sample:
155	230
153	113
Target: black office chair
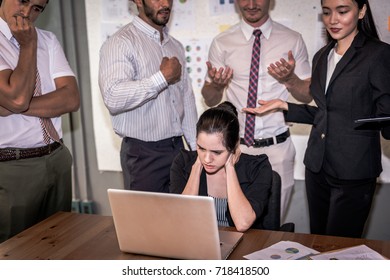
271	220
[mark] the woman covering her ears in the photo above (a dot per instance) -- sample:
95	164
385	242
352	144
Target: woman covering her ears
240	184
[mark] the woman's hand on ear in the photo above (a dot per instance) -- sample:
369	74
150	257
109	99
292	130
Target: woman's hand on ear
197	166
234	157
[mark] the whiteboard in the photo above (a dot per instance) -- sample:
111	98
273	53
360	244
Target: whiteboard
205	19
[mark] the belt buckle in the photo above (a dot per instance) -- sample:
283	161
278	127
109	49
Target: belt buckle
262	142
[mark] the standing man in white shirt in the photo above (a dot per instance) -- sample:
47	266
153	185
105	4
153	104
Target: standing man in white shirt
147	90
229	68
37	86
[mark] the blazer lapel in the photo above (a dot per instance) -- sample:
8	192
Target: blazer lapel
323	65
349	54
319	74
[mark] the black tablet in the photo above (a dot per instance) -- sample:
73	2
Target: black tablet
373	119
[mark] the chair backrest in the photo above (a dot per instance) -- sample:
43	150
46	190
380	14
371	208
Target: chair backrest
271	220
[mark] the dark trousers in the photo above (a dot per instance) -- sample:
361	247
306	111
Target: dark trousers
338	207
146	165
34	189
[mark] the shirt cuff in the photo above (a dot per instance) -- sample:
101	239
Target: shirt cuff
159	81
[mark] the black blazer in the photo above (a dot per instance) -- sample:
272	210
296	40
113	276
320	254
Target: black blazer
359	87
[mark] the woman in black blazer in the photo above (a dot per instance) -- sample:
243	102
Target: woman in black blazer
350	80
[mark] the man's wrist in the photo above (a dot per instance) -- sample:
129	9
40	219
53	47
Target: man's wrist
291	82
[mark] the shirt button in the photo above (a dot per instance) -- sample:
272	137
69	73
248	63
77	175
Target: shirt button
322	135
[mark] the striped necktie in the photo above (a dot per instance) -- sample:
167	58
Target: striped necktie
48	129
252	90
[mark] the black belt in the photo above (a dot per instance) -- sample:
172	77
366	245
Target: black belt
8	154
265	142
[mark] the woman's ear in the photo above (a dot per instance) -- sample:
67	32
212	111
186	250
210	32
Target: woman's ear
362	11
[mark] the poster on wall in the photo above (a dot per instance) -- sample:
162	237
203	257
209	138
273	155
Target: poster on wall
182	11
222	7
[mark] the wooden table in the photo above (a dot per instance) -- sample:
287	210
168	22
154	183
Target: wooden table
74	236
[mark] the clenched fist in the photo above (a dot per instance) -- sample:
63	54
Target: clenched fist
171	69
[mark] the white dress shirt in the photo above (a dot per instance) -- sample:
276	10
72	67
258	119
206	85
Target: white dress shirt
233	48
21	131
333	59
141	103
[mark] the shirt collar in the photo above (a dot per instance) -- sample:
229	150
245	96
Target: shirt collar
5	29
149	30
247	29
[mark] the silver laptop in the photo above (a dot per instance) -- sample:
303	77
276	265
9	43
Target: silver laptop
169	225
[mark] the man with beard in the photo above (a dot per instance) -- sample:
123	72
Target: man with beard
229	72
147	90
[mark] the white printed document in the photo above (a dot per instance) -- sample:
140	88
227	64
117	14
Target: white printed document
361	252
283	250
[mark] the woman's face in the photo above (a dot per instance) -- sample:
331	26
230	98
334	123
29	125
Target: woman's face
211	152
341	17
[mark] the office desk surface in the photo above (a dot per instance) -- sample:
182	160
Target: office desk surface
74	236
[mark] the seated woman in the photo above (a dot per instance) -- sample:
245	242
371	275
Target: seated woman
239	183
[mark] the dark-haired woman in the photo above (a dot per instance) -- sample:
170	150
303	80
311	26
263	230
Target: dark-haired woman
350	80
240	184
